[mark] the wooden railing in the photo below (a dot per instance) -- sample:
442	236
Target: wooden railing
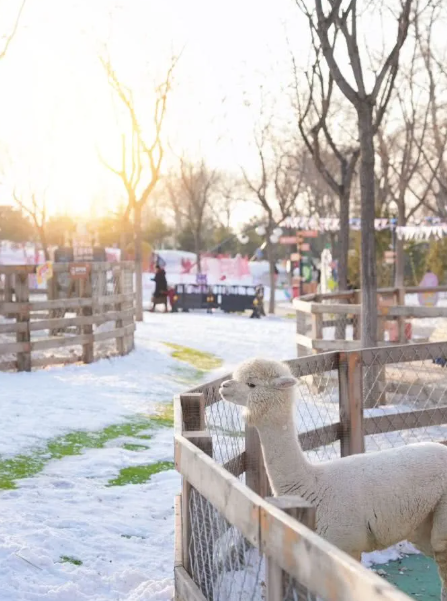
345	309
289	547
89	306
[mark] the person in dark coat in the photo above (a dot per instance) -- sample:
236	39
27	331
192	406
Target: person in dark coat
161	288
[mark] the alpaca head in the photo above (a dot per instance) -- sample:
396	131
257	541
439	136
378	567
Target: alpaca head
264	388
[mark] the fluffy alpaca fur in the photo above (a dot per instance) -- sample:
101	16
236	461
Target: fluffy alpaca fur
364	502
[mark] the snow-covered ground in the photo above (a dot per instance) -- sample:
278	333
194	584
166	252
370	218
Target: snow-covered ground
66	534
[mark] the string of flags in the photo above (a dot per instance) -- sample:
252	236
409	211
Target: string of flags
421	229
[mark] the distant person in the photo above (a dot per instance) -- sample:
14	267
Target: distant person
161	288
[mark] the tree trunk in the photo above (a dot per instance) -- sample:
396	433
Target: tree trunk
343	242
138	263
368	259
271	260
198	244
400	256
43	241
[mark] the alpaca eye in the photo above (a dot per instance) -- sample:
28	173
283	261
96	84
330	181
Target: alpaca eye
250	385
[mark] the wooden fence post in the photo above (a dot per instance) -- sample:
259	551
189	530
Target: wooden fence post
118	289
401	319
301	351
279	585
22	296
255	473
86	290
317	327
193	413
350	399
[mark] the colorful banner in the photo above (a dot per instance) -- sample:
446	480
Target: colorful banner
423	229
44	272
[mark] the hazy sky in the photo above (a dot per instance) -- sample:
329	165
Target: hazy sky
56	107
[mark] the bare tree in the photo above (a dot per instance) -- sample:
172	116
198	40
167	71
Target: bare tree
141	159
275	187
36	207
340	22
404	177
334	161
192	195
437	87
7	39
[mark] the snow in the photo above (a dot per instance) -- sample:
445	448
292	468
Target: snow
124	534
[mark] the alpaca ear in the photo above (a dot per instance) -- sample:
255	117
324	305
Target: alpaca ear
284	382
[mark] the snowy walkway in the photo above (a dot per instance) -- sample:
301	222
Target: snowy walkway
69	436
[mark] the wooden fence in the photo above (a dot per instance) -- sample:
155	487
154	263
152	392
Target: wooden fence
340	310
286	544
86	304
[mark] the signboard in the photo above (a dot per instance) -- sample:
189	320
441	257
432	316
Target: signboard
305	246
287	240
201	278
79	271
44	272
308	234
390	257
295	257
428	299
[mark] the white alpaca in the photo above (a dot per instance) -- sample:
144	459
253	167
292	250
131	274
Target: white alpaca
363	502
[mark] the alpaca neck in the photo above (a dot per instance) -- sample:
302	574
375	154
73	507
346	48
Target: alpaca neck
288	470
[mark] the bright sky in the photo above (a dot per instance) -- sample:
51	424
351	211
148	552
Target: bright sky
57	109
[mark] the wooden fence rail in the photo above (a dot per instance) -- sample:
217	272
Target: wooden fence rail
344	308
94	300
281	529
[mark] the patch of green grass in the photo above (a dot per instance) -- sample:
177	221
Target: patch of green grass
73	560
74	443
140	474
134	447
198	359
187	375
290	316
164	415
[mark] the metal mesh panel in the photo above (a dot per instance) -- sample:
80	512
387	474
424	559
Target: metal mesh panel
397	393
224	565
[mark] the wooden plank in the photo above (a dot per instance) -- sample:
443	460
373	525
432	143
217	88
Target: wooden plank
305	341
6	328
255	473
65	322
317	565
22	296
17	269
60	303
317	326
178	553
178	416
193	411
320	437
302	306
404	353
422	418
14	347
236	465
88	348
58	342
337	309
235	501
278	583
350	400
185	588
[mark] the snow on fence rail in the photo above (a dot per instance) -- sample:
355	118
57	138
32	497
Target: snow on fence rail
89	312
234	542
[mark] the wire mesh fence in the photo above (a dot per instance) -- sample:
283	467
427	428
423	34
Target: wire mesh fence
404	391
